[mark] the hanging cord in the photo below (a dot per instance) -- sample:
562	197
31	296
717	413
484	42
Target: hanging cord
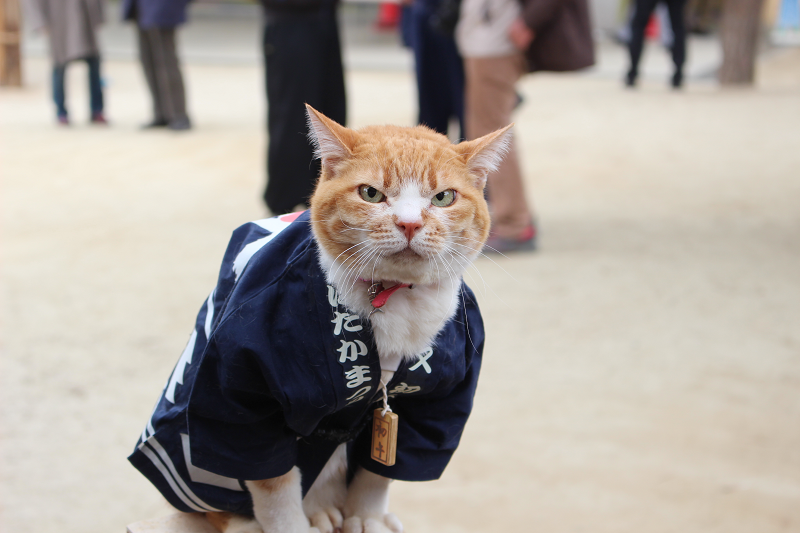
386	407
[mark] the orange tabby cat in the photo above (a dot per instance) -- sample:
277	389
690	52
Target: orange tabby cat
397	216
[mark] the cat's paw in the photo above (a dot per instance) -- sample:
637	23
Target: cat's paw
327	521
388	523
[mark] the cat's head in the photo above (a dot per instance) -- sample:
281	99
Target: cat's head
401	204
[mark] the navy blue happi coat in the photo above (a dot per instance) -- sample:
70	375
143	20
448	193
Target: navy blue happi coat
278	373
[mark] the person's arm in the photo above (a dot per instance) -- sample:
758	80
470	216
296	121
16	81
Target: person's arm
520	34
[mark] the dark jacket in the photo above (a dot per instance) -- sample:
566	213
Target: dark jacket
155	13
563	39
277	373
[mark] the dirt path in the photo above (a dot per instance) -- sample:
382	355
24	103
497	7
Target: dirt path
642	372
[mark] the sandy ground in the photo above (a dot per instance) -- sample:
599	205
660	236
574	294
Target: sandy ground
642	370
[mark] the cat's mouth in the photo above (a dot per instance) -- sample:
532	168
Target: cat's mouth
407	253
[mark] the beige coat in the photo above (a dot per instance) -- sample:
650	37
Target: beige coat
71	26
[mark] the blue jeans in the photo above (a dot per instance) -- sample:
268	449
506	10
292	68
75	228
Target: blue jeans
95	87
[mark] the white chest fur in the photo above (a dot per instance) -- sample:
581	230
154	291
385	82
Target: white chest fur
410	319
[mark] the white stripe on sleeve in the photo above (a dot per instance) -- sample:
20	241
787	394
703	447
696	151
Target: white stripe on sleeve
161	468
167	461
209	313
198	475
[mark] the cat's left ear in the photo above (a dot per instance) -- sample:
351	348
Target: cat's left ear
333	143
484	155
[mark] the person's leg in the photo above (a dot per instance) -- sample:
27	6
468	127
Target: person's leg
641	15
490	100
59	94
148	65
678	23
439	73
169	79
295	53
455	85
332	89
95	90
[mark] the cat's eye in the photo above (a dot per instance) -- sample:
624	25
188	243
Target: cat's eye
371	194
444	198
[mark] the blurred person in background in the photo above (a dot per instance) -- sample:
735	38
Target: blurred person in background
71	26
303	64
429	29
500	40
661	18
156	21
643	10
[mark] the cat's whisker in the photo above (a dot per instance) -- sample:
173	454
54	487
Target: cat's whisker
466	319
339	265
348	266
470	271
469	266
438	274
375	264
374	257
363	260
351	269
487	256
456	281
354	271
365	241
339	213
486	285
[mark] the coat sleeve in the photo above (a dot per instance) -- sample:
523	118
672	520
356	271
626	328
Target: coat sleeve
538	13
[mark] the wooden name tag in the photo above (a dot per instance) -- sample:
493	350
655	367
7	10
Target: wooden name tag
384	437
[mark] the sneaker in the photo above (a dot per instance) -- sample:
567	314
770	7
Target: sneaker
180	124
502	245
63	120
99	118
677	80
156	123
630	79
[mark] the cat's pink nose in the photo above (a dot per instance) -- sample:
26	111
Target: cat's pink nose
409	228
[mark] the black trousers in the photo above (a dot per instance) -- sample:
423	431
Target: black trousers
303	64
439	70
163	73
643	11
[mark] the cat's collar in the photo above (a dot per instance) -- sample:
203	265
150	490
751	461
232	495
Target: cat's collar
379	294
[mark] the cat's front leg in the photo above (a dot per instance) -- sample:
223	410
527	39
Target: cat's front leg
278	504
325	499
366	509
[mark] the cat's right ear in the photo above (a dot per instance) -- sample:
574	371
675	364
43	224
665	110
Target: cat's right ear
484	155
333	143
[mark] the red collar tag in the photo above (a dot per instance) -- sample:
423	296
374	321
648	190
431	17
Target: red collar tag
380	295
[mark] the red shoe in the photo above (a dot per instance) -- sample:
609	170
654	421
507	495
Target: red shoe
63	120
503	245
99	118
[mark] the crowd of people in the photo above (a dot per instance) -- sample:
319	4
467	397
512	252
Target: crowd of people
468	55
72	26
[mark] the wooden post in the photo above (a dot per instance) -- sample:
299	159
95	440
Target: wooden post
739	29
10	37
